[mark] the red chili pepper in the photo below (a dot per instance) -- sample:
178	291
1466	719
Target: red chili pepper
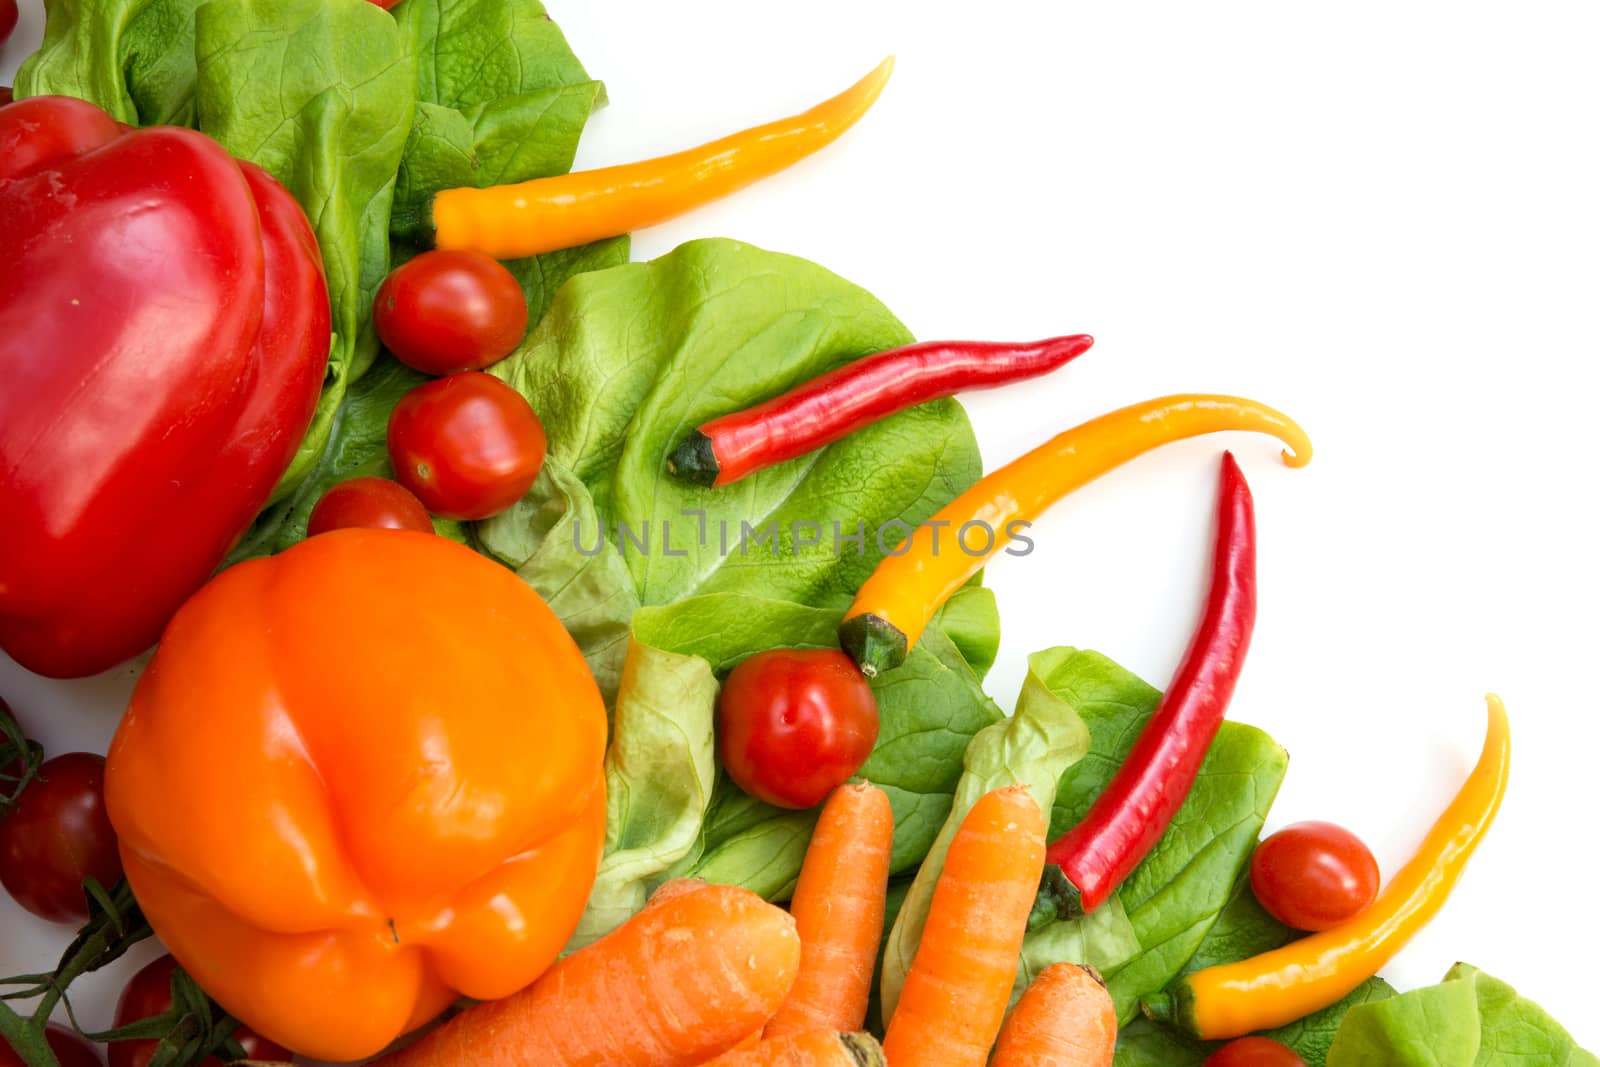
1134	810
842	401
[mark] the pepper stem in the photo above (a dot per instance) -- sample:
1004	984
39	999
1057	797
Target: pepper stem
874	642
695	460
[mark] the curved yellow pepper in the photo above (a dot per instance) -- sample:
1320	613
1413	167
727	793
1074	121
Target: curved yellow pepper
534	217
894	606
1289	983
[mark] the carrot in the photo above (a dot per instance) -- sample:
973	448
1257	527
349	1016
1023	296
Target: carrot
1065	1019
838	909
955	994
673	888
809	1048
679	983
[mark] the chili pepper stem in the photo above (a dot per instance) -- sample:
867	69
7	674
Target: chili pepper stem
695	460
874	642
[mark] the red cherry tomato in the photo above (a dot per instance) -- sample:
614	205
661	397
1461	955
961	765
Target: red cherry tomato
368	503
57	836
8	22
1254	1052
794	724
1313	875
468	445
445	312
70	1049
148	993
385	4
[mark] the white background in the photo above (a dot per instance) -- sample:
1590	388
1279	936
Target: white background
1380	217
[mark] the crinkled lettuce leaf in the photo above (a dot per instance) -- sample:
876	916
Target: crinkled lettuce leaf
501	98
1468	1020
134	58
321	93
1034	747
660	770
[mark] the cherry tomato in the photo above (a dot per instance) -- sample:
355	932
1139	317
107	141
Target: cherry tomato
8	21
385	4
148	993
1313	875
445	312
794	724
70	1049
57	836
468	445
368	503
1254	1052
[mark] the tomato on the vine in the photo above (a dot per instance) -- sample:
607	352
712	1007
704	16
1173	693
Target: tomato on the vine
149	993
1254	1052
58	835
1313	875
792	724
450	311
368	503
70	1049
468	446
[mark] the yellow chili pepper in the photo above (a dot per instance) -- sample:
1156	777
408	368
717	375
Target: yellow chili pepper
530	218
895	604
1278	987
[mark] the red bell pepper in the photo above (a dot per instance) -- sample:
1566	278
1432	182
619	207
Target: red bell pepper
164	332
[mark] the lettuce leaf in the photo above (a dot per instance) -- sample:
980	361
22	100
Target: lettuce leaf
1468	1020
501	98
1173	898
1034	747
134	58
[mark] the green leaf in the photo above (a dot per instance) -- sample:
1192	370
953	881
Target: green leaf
631	359
1034	748
1468	1019
971	620
1103	939
592	594
928	710
1176	894
1516	1032
660	769
1433	1027
134	58
321	93
502	99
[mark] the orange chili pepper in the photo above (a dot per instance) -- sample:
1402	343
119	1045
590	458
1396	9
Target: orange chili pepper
894	606
360	778
1289	983
533	217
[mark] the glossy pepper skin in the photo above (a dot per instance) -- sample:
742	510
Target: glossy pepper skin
164	331
358	779
1138	804
836	404
894	605
567	210
1278	987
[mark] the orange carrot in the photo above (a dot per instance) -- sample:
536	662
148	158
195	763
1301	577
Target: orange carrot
955	994
674	888
679	983
1065	1019
809	1048
838	909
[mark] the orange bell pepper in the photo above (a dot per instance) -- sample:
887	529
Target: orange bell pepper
359	779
